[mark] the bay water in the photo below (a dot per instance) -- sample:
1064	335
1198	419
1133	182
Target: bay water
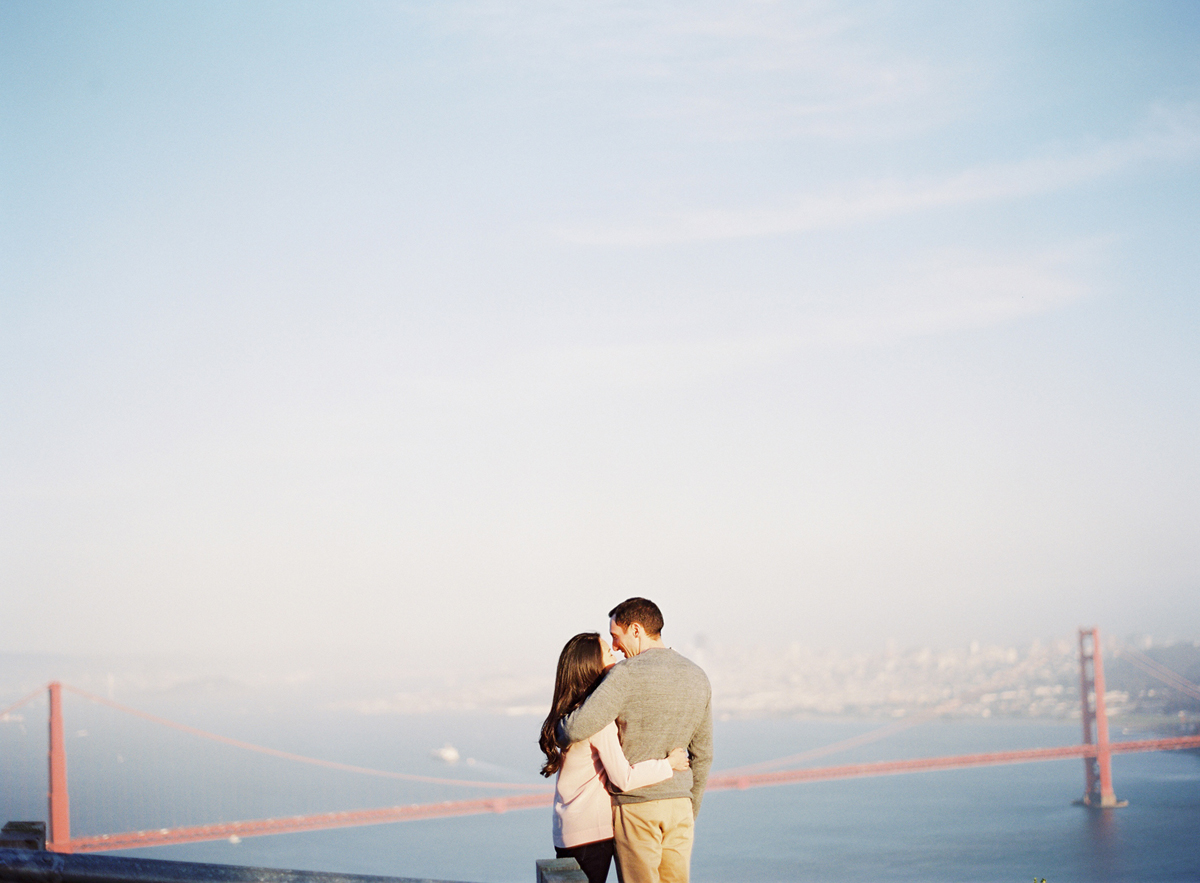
1006	823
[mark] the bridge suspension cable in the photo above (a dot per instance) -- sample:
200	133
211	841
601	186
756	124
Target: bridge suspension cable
1157	670
832	748
996	682
5	712
300	758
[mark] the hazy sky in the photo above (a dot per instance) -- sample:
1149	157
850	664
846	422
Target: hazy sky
431	331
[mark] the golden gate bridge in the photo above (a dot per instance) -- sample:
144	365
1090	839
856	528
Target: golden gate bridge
1096	751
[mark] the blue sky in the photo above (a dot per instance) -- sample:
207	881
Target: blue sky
421	331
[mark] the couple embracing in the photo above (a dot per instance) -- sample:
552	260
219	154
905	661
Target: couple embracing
631	744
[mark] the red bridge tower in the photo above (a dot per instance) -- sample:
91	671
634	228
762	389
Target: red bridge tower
1097	769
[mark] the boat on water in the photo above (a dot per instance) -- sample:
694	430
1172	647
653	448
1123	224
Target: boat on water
447	753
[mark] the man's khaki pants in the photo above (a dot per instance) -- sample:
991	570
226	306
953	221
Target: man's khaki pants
653	840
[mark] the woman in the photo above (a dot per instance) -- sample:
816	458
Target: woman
582	807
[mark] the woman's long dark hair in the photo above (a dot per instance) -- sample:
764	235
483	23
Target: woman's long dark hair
580	668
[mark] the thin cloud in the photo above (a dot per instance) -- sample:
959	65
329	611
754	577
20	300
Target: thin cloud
723	72
954	292
944	293
1171	135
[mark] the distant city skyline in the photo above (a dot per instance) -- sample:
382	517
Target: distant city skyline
429	332
1150	684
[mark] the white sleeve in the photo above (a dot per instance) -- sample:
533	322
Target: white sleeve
617	768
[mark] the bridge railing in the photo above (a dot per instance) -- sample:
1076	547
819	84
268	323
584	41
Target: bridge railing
24	859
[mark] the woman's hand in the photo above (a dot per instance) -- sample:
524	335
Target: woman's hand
678	758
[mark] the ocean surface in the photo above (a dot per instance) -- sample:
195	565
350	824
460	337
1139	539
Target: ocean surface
1009	823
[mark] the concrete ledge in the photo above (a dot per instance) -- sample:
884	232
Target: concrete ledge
560	870
37	866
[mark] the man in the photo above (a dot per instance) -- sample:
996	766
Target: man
660	701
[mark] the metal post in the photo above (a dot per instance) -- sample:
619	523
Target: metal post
60	810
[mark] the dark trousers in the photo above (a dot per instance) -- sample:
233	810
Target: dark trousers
594	858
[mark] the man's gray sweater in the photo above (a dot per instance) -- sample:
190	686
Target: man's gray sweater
660	701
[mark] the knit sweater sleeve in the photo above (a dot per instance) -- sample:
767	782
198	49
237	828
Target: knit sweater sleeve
601	708
700	750
620	773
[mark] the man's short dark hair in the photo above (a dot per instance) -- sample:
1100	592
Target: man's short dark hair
639	610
